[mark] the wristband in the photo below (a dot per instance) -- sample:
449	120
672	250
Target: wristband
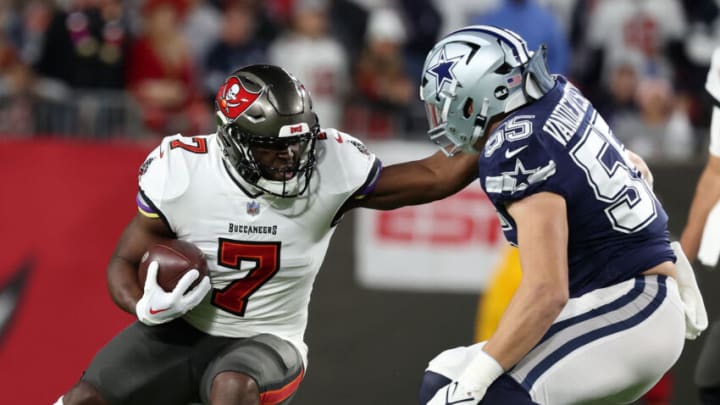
482	370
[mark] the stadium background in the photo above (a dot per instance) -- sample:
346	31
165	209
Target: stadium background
63	205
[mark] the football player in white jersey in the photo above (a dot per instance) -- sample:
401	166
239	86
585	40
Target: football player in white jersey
605	299
701	234
261	198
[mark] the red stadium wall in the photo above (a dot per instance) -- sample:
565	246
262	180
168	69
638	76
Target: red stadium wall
62	208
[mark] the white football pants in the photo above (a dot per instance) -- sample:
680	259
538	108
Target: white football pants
609	346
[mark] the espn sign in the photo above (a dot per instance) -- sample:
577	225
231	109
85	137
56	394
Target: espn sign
448	245
467	218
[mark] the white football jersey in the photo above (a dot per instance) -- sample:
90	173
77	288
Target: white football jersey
263	251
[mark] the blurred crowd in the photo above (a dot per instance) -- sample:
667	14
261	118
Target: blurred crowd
148	68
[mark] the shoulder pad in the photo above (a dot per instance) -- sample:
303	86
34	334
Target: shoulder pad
164	176
515	168
344	159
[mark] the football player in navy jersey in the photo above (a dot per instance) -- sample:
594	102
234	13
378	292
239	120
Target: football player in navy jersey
606	300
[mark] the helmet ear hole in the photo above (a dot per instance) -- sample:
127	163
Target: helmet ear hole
468	108
504	69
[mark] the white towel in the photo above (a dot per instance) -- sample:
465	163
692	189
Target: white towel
696	318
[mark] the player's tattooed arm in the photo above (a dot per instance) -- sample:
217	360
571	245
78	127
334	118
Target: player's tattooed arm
122	275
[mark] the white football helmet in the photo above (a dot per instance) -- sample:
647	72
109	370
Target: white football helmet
474	74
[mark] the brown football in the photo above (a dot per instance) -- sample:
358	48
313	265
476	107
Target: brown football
175	258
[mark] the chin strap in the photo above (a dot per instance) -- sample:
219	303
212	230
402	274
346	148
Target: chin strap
537	81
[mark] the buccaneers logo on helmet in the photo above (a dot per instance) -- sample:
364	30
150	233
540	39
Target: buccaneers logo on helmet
233	98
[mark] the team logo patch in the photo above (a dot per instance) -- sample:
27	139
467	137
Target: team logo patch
360	147
501	92
442	71
514	80
253	208
233	98
144	167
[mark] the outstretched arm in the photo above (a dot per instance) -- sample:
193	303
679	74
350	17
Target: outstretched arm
421	181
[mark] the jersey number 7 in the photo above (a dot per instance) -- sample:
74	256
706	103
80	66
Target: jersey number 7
266	255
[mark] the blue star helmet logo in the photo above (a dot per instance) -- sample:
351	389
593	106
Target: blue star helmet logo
442	70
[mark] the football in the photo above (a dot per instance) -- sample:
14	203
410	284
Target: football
175	258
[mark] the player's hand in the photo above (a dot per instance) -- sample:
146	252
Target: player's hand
473	382
696	318
642	167
457	393
158	306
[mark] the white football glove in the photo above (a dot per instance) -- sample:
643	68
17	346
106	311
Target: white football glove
696	318
158	306
470	387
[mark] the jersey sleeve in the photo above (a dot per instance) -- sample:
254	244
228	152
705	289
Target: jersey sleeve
354	169
518	169
712	83
162	178
715	132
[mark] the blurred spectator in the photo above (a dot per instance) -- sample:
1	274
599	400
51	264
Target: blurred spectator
201	27
348	22
703	38
422	22
661	130
563	10
457	13
703	17
616	96
85	47
235	48
653	28
537	24
16	91
161	72
80	52
384	88
317	59
29	32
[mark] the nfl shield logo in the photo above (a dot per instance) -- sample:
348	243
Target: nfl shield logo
253	208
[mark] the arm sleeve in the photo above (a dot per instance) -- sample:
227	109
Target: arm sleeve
163	177
519	170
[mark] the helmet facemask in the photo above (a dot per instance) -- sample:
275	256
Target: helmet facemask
240	148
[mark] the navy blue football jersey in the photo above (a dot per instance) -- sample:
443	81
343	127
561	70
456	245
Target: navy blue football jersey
560	144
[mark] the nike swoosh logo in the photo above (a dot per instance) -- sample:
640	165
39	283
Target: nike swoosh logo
157	311
447	397
509	154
